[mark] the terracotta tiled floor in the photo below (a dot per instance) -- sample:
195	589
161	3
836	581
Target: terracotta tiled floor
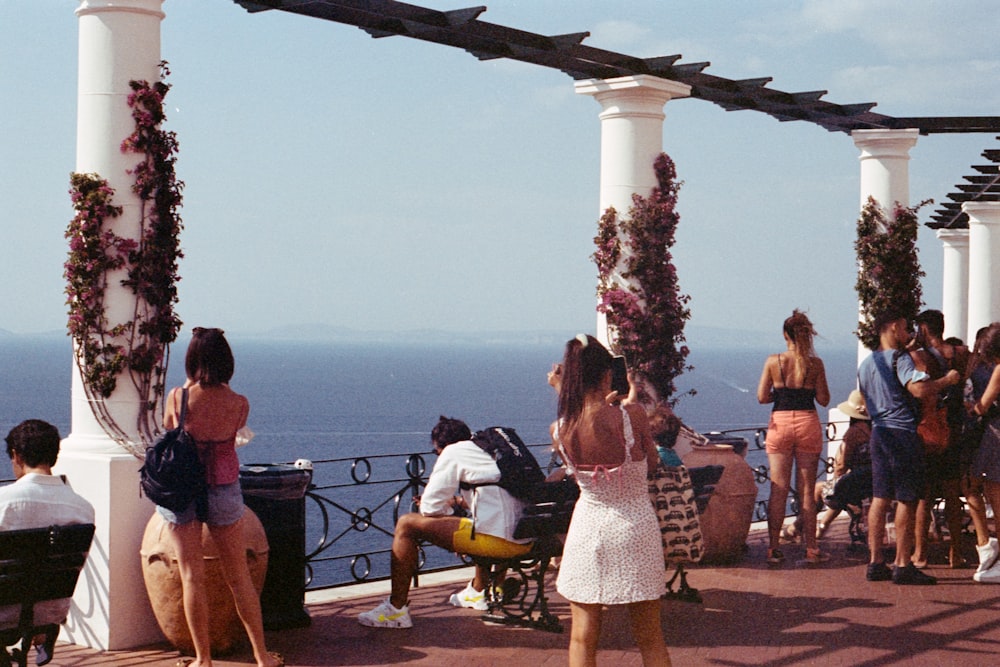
752	614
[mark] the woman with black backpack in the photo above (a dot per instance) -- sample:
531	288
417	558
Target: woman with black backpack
213	415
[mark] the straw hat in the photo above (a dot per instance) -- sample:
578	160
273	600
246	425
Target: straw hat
854	406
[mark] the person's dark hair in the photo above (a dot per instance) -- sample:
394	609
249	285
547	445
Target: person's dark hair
800	331
884	320
585	365
954	340
977	346
989	346
933	320
35	441
664	426
209	359
448	431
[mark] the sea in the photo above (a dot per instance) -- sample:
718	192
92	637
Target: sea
323	400
326	401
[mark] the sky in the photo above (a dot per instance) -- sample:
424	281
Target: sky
390	184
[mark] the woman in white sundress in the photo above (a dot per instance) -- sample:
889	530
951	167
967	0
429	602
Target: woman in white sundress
613	553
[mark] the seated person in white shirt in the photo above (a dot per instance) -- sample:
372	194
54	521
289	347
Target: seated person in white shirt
38	499
491	510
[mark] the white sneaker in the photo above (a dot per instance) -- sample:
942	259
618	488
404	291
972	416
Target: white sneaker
386	616
988	555
470	598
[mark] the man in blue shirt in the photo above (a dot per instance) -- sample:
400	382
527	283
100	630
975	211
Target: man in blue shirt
890	384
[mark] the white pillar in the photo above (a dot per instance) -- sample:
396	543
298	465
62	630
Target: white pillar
954	299
984	263
885	175
885	157
631	139
119	42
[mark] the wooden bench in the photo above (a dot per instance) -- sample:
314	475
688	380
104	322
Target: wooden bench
35	565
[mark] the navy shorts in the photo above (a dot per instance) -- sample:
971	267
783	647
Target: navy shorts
898	468
225	507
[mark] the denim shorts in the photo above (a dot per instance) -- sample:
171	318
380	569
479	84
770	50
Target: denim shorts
225	507
898	468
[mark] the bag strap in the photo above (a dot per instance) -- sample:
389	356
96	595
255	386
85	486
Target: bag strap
184	405
911	400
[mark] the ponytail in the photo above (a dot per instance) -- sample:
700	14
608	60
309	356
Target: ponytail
585	364
800	331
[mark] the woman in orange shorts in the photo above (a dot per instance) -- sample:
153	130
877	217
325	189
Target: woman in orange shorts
794	381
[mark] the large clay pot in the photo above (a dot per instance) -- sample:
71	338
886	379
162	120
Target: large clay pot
725	523
163	584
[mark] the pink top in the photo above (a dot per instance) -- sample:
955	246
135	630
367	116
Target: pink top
214	415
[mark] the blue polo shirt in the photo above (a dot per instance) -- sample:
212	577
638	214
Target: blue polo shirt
889	403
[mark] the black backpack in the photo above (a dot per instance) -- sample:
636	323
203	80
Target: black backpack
173	476
520	473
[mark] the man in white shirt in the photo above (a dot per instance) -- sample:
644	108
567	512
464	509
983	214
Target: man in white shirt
487	531
38	499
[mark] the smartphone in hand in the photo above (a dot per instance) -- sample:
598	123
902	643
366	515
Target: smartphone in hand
619	375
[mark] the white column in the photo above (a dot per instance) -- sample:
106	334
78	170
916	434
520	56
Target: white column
954	299
885	157
119	42
631	139
885	175
984	263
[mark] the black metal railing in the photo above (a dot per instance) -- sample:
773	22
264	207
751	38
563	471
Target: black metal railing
351	511
756	437
354	503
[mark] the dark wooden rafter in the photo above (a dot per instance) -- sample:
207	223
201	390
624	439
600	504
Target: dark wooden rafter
461	28
984	186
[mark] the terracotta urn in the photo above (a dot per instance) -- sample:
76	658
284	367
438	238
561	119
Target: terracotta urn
725	523
163	584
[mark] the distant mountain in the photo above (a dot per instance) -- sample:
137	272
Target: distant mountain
6	334
315	332
698	337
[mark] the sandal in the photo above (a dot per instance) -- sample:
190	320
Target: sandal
789	533
277	656
775	557
815	557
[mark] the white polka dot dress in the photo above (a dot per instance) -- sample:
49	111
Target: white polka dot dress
613	552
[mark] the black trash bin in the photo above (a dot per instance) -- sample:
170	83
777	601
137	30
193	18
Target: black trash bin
276	494
738	444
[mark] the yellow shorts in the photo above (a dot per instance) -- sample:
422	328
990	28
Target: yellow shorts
485	545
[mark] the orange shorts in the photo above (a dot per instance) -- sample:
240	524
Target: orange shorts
794	432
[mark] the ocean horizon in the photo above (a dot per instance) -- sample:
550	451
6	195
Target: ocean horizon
326	399
322	400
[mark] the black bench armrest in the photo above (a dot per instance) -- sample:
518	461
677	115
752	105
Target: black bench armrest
705	476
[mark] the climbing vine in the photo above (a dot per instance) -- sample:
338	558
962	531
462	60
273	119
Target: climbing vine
638	289
138	348
889	270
